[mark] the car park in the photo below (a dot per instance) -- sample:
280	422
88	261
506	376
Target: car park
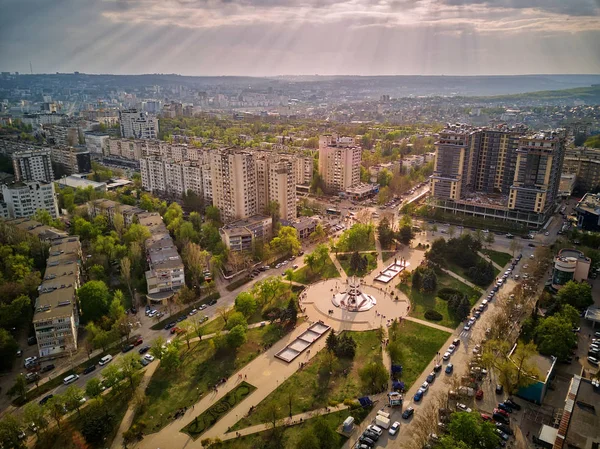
394	428
408	413
449	368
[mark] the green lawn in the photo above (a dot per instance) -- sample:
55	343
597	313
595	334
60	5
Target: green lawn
313	387
209	417
292	433
421	302
344	260
306	276
418	344
462	272
498	257
200	369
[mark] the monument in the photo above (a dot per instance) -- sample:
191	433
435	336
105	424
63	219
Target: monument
353	299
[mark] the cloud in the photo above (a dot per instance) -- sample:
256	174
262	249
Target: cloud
566	7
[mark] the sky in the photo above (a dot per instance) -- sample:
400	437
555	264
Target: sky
301	37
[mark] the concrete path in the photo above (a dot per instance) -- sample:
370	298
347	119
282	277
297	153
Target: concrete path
430	324
461	279
339	267
130	413
486	257
285	422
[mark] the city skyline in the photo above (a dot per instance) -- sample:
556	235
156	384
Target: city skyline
281	37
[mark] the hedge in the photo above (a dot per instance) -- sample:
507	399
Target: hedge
447	293
433	315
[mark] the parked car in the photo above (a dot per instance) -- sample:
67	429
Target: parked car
499	389
512	404
366	440
449	368
128	348
446	356
593	360
138	342
408	413
418	395
212	302
47	368
376	429
500	418
507	408
89	369
504	428
394	428
463	408
456	342
431	377
479	394
46	399
502	412
170	325
370	435
144	349
149	357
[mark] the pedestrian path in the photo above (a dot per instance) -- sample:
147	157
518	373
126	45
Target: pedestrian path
486	257
130	413
429	323
461	279
337	264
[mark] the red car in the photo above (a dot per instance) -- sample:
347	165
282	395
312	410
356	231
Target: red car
479	394
502	412
486	417
138	342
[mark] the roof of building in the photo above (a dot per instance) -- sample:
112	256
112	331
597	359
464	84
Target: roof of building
593	314
55	304
116	183
38	229
590	203
78	181
250	221
301	223
565	253
362	188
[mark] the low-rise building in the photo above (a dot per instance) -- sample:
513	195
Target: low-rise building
75	181
305	226
41	231
72	159
570	265
240	235
361	191
537	389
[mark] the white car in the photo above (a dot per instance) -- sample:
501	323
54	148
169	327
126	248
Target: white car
149	357
446	355
476	349
375	429
425	386
451	349
463	407
394	428
467	327
593	360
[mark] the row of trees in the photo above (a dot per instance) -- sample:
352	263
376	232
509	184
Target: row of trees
387	235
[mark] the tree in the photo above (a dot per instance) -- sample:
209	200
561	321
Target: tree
119	223
170	360
272	210
158	346
196	325
470	429
245	303
129	366
326	435
451	231
224	313
10	431
429	283
186	233
405	235
490	238
374	377
318	258
287	241
35	414
116	311
56	408
126	274
73	397
579	295
93	297
111	376
8	350
554	336
195	260
331	341
236	319
571	314
174	212
358	263
19	388
513	246
187	334
212	213
136	233
97	273
93	388
307	438
385	233
268	289
417	279
236	337
289	275
319	234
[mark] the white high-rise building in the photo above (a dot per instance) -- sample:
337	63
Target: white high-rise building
33	165
23	199
339	162
138	125
282	188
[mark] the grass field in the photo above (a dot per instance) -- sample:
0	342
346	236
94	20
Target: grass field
421	302
462	272
498	257
314	387
200	370
292	433
306	276
344	260
209	417
418	344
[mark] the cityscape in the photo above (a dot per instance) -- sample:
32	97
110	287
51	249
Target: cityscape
228	233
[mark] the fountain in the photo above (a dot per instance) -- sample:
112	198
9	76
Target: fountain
353	299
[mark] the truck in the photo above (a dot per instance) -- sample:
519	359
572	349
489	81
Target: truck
382	421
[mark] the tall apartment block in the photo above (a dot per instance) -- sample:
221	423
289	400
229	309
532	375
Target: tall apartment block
339	162
137	124
282	188
23	199
234	189
501	173
584	163
33	165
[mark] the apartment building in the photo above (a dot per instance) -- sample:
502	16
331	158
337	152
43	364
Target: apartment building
23	199
109	208
138	124
282	188
56	314
124	148
501	173
584	163
234	189
41	231
172	177
241	235
72	159
96	142
166	271
33	165
304	167
339	162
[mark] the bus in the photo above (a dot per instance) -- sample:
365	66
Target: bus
332	211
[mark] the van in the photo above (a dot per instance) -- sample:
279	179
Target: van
70	379
104	360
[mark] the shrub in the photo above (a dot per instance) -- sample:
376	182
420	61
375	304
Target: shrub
433	315
447	293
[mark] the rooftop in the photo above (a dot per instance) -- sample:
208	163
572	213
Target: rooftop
78	181
590	203
253	220
55	304
38	229
563	254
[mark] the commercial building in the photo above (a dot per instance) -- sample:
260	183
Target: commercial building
56	313
166	271
241	235
138	125
361	191
339	162
567	185
75	181
502	173
570	265
234	186
578	424
23	199
33	165
588	212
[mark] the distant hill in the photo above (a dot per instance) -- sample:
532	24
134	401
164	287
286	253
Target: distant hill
588	94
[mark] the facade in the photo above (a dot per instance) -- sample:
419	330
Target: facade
588	212
304	167
234	187
136	124
282	188
240	235
56	314
33	165
304	226
339	162
567	185
166	272
536	391
24	199
499	173
584	163
72	159
570	265
96	142
124	148
172	177
109	208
